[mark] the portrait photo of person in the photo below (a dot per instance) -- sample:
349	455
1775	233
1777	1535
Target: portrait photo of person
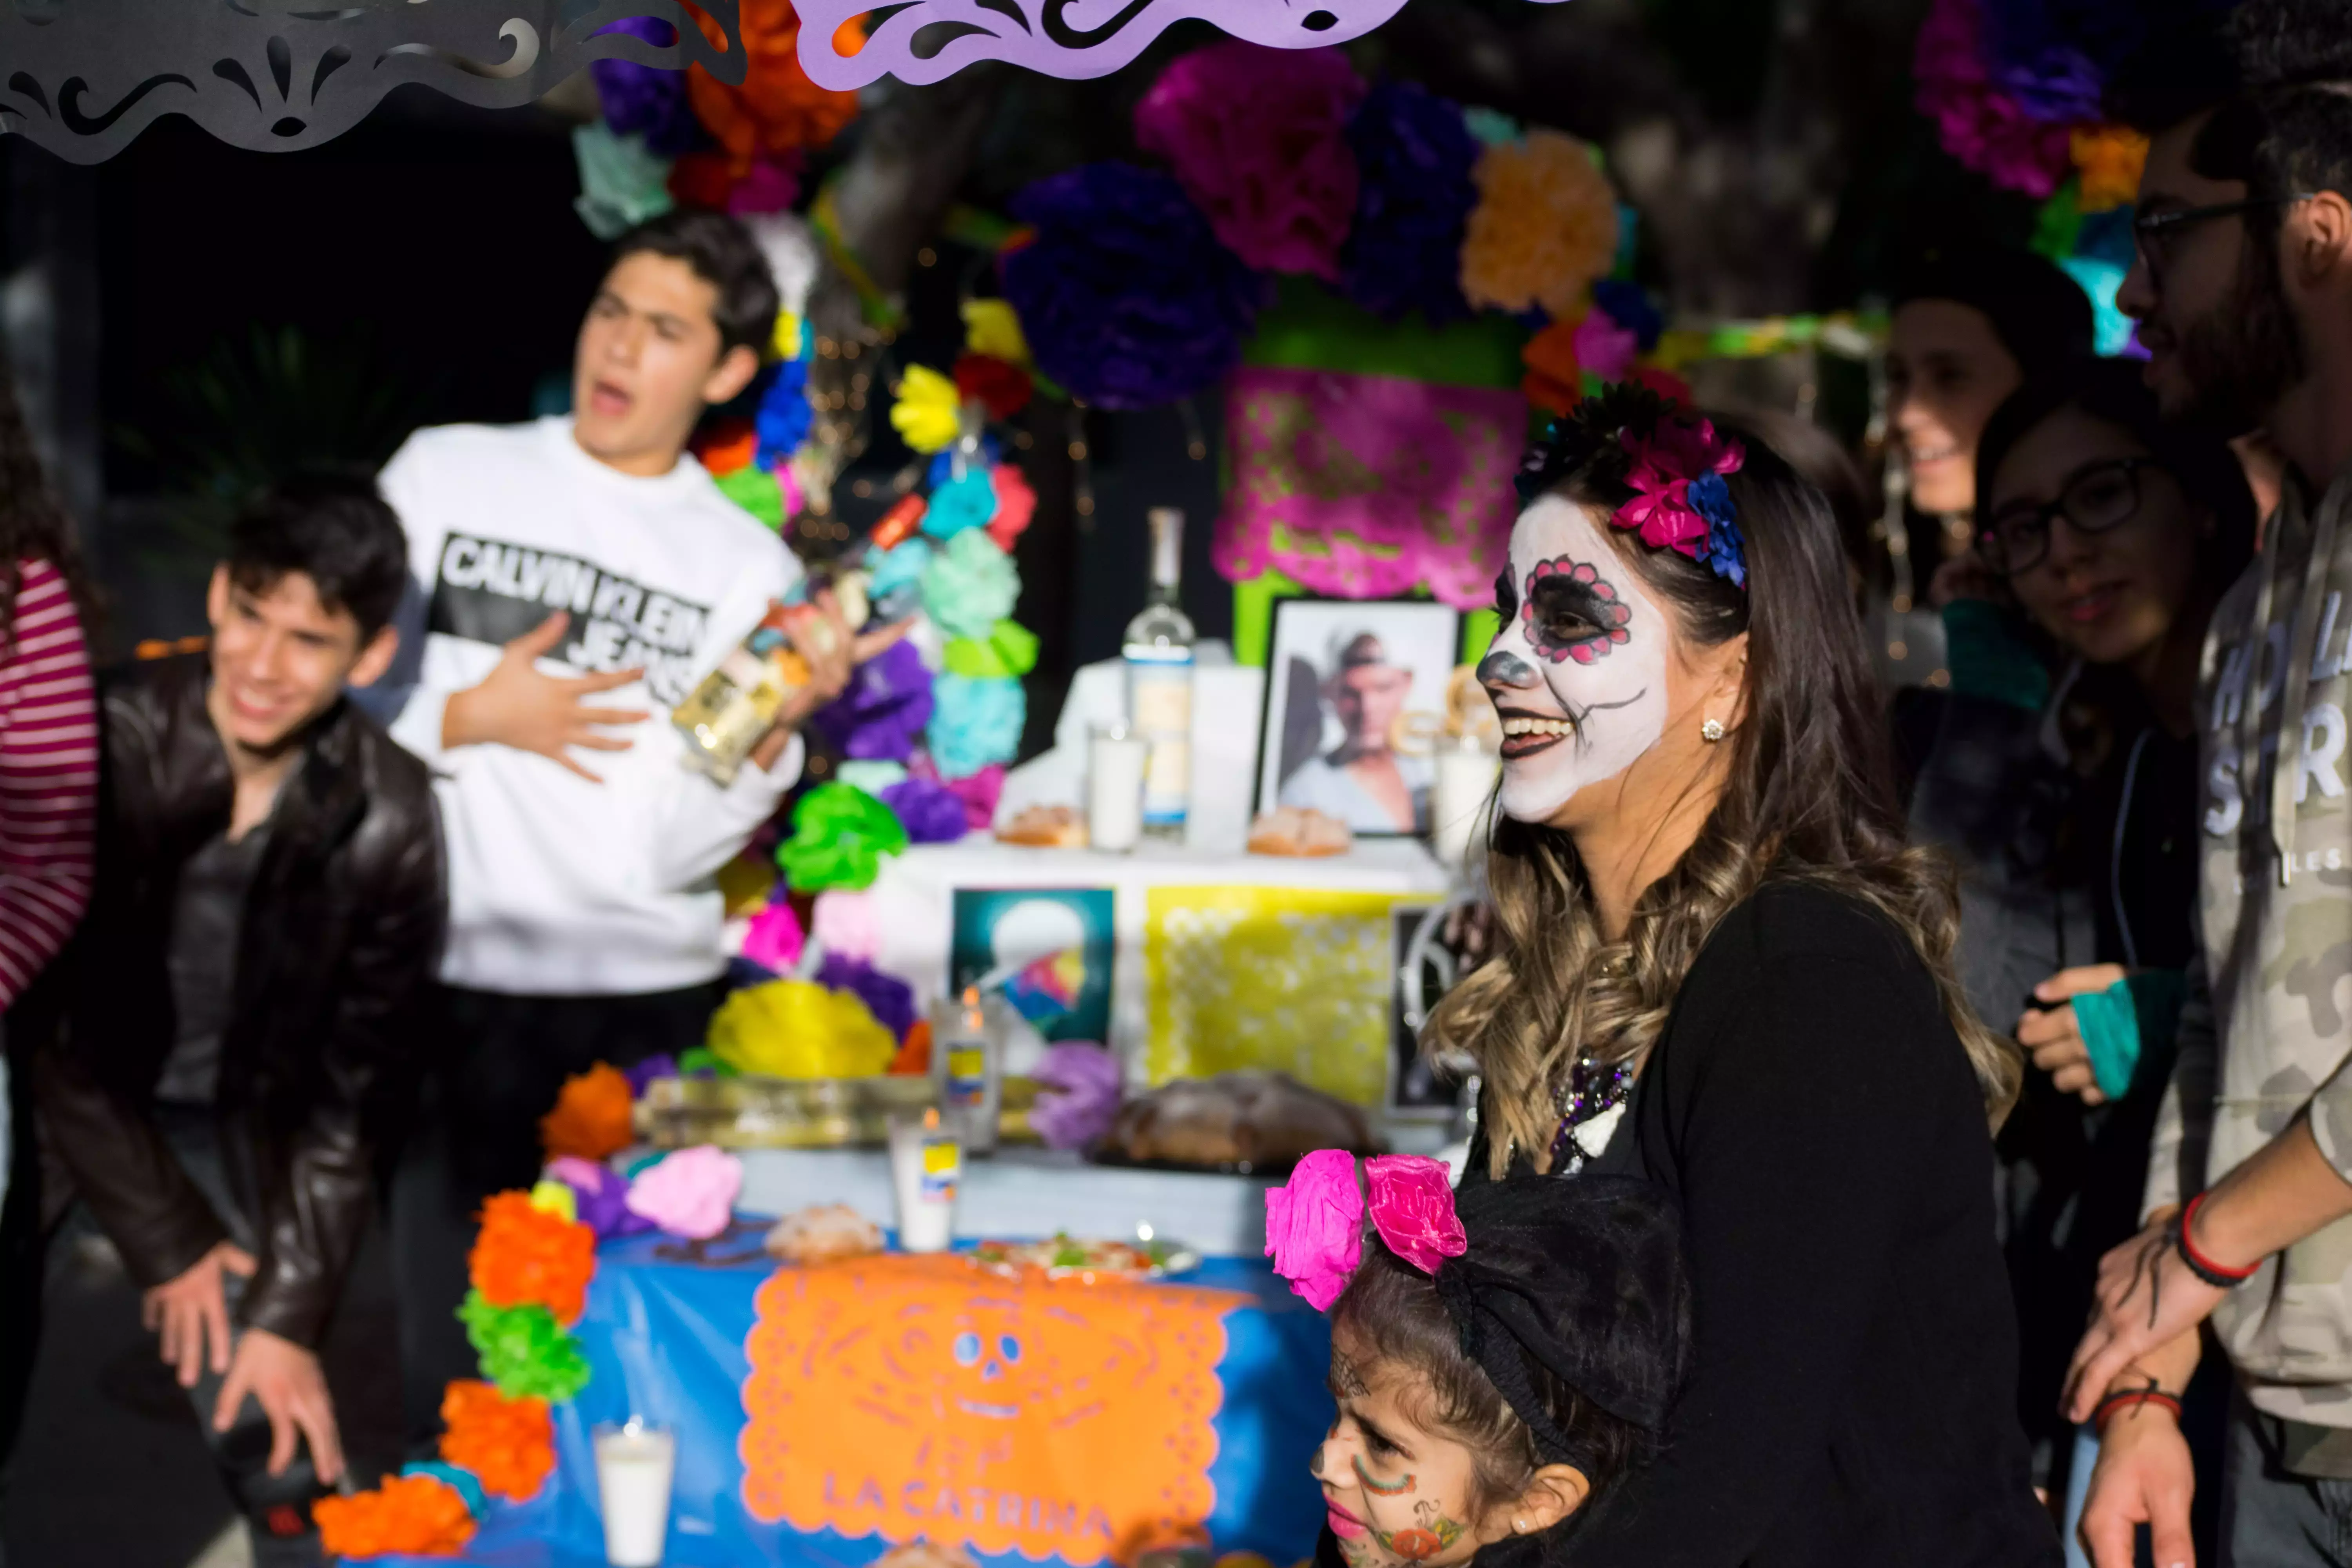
1341	679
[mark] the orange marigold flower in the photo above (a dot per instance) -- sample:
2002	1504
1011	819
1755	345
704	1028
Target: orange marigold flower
1554	380
778	108
1544	228
591	1119
507	1444
525	1255
414	1516
2110	158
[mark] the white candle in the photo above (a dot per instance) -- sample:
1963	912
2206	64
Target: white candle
634	1467
926	1168
1115	765
1457	801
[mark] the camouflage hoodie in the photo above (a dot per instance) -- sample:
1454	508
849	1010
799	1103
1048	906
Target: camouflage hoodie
2266	1034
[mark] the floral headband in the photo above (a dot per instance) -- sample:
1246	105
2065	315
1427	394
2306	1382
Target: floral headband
1632	443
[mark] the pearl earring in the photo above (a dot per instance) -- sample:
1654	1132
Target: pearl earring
1520	1525
1711	731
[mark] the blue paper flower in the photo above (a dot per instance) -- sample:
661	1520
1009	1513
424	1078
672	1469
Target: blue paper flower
942	468
2054	57
895	568
785	417
1628	305
1125	297
960	504
1413	154
647	101
1725	552
975	722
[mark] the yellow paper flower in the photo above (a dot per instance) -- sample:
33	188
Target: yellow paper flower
786	342
1545	227
926	413
991	326
555	1198
2110	158
797	1028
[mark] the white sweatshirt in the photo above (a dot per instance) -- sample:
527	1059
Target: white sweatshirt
559	887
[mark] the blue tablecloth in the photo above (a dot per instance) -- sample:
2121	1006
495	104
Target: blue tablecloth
666	1340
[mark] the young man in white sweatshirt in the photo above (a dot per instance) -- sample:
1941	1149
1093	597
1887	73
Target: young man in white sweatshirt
574	579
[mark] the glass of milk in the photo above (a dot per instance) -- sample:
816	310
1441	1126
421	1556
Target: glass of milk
635	1462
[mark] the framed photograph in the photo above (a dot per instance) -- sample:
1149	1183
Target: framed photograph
1340	677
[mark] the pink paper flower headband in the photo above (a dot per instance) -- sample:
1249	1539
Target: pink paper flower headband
1315	1223
1664	469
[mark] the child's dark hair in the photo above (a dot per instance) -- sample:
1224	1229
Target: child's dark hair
722	253
334	529
1569	1306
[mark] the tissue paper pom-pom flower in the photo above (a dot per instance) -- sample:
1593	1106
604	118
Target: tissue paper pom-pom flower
1544	228
899	566
1412	1208
772	939
888	700
525	1255
980	791
970	585
785	417
552	1197
2054	57
1604	347
599	1196
1078	1100
1315	1227
1554	380
1404	249
1258	138
1009	650
797	1028
622	184
992	327
873	777
1980	126
891	999
777	107
839	837
691	1194
768	186
927	410
507	1444
1128	300
976	722
411	1516
647	101
2110	159
654	1067
1629	306
727	445
843	924
914	1057
591	1115
524	1350
1016	503
929	809
960	504
998	386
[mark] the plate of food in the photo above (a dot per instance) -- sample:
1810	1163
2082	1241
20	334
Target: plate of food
1065	1256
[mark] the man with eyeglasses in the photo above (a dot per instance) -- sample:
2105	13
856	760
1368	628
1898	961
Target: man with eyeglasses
2243	292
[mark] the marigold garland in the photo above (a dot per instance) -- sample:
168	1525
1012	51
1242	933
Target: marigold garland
591	1115
416	1516
1544	228
526	1256
507	1444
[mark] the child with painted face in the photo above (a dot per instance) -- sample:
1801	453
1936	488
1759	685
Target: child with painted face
1500	1365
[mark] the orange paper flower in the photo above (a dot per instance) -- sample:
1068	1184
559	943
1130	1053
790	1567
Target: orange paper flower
1544	228
1554	380
525	1255
507	1444
416	1516
778	108
2111	158
591	1119
914	1057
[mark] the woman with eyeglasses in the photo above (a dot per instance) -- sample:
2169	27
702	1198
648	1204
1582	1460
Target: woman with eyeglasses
2074	814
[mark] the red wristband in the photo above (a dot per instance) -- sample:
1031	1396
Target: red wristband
2202	1264
2128	1400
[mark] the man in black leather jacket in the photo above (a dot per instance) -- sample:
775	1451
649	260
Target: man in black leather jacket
234	1019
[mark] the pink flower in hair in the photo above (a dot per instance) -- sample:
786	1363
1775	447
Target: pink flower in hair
1315	1227
1662	466
1412	1208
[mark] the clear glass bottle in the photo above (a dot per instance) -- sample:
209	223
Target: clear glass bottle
968	1056
736	705
1158	650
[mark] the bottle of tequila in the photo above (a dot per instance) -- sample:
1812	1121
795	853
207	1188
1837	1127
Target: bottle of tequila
1158	650
736	705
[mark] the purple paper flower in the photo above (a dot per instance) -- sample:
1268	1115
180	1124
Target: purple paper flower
1125	295
648	1071
888	998
600	1196
1084	1082
647	101
880	714
1414	154
2054	57
930	811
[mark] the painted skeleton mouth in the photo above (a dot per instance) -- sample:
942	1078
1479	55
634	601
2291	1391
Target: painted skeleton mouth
991	1412
1525	733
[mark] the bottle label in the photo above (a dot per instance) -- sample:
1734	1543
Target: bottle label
967	1076
1161	696
942	1165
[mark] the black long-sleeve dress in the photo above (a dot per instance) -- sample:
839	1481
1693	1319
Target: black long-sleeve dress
1851	1393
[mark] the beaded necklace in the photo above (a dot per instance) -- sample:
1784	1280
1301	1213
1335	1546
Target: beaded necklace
1590	1092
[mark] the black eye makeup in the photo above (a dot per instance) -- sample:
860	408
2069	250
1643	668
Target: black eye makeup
1573	612
1506	595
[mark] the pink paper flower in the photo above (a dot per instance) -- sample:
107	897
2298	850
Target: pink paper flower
774	941
691	1194
1258	137
1016	503
1605	348
844	925
1662	467
1412	1208
1315	1227
1981	126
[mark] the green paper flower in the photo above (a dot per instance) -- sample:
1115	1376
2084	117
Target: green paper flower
621	183
839	835
1009	651
755	489
524	1350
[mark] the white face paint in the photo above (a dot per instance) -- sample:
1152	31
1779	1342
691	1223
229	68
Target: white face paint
1579	670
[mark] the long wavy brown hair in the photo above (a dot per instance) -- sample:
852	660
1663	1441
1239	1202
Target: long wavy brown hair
1809	797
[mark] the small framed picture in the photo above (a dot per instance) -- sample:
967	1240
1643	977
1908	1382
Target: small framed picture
1341	677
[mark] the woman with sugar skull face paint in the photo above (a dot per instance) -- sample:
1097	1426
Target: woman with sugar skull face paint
1719	967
